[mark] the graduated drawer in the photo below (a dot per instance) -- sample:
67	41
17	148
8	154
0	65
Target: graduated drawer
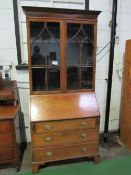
7	153
7	95
63	125
6	127
58	153
6	140
64	138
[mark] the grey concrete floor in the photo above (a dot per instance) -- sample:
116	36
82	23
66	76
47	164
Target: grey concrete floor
105	154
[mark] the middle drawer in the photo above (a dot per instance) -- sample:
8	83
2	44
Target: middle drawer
64	138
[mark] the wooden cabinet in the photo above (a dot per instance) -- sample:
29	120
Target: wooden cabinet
63	106
9	123
9	151
125	121
71	125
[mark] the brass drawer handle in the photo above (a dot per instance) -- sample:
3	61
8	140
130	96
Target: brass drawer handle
49	153
84	149
48	139
47	127
84	124
83	135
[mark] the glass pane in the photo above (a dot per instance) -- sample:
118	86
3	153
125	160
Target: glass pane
53	78
45	53
80	56
86	77
73	77
38	79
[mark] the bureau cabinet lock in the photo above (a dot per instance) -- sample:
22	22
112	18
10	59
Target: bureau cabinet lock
49	154
84	149
48	139
47	127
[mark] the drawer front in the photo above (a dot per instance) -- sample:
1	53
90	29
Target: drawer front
64	138
7	96
6	127
6	140
63	125
57	153
7	153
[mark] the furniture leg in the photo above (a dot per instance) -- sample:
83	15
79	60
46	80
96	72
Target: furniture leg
35	168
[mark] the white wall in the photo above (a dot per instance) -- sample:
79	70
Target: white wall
124	33
9	53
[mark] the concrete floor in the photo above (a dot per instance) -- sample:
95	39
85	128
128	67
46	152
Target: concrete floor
105	154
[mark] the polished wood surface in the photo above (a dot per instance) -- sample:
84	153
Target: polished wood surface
125	112
58	139
62	125
9	152
65	152
8	112
63	106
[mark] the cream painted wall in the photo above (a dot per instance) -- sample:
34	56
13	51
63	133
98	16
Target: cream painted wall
9	53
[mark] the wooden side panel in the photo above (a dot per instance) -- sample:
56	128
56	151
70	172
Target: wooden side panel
125	122
125	114
127	71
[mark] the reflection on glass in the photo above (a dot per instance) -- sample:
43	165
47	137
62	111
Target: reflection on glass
80	56
53	79
37	58
38	79
45	55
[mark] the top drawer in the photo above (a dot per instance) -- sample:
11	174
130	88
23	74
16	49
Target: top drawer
63	125
6	127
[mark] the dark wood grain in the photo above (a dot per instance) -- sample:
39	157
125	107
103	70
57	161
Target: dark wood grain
8	112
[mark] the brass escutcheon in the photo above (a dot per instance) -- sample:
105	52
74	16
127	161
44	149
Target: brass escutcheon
83	135
47	127
84	124
84	149
49	153
48	139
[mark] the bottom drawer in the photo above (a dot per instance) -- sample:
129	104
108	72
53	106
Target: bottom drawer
7	153
58	153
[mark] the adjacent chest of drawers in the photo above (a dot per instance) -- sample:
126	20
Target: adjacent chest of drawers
61	136
9	152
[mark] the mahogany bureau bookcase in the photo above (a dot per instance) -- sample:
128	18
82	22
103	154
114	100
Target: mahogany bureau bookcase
64	112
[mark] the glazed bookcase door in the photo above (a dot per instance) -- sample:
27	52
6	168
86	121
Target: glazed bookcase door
80	56
61	56
45	56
